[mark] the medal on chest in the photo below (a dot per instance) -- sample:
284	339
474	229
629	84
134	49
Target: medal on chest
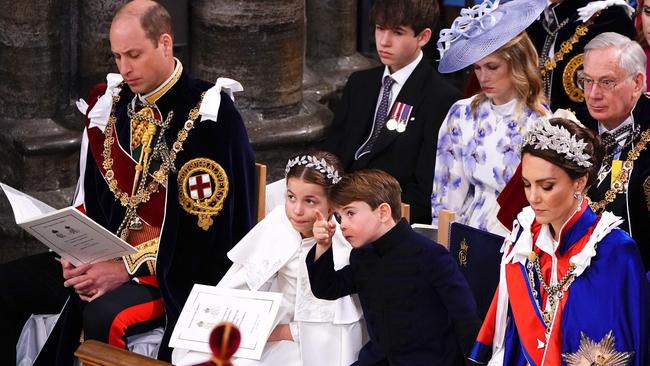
400	117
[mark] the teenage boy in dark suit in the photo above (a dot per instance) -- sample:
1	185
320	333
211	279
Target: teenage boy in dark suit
389	116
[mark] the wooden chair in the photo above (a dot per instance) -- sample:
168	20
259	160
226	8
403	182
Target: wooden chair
260	179
94	353
445	218
406	212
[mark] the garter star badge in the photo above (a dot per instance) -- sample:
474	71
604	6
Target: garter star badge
203	187
600	354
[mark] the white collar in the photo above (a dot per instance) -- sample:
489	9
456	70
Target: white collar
505	109
523	245
400	76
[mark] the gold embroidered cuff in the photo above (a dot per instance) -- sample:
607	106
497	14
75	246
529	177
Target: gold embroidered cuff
147	253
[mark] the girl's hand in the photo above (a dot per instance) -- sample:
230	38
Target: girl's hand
281	332
323	231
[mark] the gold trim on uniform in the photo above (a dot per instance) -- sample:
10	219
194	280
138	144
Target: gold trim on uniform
569	77
156	94
550	63
206	208
602	353
462	253
147	253
619	184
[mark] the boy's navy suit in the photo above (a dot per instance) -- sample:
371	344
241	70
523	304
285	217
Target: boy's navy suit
418	307
409	156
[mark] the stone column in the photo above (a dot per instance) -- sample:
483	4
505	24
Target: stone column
95	57
38	153
260	43
332	40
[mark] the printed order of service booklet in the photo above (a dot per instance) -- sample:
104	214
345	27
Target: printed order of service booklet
252	312
68	232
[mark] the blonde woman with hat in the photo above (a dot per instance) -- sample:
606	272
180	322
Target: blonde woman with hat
479	140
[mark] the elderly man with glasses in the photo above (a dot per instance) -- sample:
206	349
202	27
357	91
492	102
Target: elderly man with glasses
613	81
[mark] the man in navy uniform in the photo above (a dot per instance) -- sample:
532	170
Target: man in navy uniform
166	165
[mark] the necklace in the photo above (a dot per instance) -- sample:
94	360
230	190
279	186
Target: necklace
554	292
621	179
144	190
548	64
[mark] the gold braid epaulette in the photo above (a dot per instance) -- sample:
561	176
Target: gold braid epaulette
147	253
624	175
567	46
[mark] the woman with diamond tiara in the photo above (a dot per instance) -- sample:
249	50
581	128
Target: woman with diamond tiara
271	257
479	140
572	289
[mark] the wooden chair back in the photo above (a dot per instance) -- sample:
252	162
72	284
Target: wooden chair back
406	212
260	179
445	218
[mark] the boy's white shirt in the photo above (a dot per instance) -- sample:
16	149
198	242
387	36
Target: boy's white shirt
400	76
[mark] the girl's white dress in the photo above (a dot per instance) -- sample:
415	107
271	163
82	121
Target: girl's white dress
271	257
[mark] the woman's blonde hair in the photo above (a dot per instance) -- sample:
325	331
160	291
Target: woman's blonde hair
522	60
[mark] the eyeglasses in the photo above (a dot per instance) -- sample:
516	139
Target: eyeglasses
586	83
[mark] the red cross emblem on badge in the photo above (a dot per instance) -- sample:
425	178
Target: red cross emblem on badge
200	186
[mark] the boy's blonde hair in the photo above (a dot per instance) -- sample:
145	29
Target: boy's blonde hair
372	186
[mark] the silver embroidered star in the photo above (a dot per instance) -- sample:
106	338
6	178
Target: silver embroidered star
599	354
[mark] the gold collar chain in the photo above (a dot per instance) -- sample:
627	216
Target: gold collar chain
623	176
554	293
550	63
144	191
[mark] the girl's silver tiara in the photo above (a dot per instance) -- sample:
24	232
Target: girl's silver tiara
545	136
312	162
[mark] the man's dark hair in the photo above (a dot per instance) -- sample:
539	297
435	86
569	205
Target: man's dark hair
156	21
417	14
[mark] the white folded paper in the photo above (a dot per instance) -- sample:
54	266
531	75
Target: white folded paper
253	312
68	232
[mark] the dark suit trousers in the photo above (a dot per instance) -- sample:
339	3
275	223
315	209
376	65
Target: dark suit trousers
30	285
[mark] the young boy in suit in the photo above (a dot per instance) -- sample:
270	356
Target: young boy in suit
388	117
418	307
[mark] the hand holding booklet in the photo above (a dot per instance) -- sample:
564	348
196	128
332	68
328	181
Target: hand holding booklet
68	232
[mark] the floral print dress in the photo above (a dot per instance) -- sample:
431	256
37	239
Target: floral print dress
475	158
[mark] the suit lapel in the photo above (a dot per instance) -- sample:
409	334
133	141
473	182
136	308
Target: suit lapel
409	94
363	110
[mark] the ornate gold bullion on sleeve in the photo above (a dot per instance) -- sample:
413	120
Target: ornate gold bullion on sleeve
147	253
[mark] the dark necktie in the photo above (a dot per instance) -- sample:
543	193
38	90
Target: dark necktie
380	116
611	142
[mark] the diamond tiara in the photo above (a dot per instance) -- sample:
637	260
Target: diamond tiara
545	136
312	162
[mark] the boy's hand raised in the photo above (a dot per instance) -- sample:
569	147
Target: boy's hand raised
323	232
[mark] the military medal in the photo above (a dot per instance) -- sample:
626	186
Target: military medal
391	124
403	113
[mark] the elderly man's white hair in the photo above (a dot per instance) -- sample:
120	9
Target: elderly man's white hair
631	56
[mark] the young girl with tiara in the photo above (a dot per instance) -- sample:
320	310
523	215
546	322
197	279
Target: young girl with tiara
271	257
